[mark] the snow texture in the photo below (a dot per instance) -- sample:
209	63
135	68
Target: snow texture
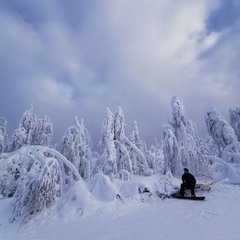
79	215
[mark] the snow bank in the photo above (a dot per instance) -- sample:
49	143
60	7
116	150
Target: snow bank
76	201
103	189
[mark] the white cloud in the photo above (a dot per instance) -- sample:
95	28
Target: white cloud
134	54
49	91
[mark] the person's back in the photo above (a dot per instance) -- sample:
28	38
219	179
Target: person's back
188	181
188	178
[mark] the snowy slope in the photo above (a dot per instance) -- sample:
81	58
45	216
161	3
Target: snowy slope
149	218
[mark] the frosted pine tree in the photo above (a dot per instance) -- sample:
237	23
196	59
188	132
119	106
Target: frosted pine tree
108	160
39	181
3	134
235	121
223	135
171	151
140	164
135	139
76	147
22	136
122	153
116	147
31	131
155	158
43	132
191	153
210	147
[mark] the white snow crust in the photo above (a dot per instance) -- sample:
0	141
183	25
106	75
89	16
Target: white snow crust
91	212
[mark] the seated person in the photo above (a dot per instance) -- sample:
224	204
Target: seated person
188	182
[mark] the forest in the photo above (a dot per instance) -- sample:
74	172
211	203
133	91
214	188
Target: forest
36	173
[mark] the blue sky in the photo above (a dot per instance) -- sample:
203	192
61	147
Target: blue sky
75	58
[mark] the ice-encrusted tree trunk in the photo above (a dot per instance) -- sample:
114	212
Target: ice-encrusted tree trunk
3	134
235	121
191	154
76	147
223	135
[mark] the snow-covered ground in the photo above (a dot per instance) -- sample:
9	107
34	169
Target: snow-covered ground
141	218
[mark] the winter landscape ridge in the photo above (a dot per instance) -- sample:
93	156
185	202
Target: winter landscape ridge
124	191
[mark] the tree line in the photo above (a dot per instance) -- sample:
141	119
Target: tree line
124	153
36	173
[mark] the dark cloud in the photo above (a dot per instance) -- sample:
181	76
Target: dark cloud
77	58
224	16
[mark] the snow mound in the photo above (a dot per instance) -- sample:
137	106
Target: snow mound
103	189
75	201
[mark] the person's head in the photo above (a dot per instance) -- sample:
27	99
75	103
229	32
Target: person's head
186	170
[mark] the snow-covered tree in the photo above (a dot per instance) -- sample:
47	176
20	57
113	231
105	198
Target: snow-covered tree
108	161
35	176
235	121
22	136
155	158
36	193
127	149
3	134
190	152
43	132
117	148
31	131
123	157
223	135
140	164
209	146
76	147
135	139
171	151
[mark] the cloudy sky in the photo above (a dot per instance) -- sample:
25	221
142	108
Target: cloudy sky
77	57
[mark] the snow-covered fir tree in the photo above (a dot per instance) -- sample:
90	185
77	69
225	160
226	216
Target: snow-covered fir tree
235	121
190	152
135	139
223	135
22	136
122	153
171	151
31	131
127	148
35	176
155	158
3	134
108	160
209	145
76	147
43	133
116	147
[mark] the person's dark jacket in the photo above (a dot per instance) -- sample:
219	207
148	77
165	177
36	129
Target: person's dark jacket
188	179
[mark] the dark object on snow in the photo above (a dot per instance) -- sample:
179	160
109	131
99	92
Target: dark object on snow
143	190
188	182
187	198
